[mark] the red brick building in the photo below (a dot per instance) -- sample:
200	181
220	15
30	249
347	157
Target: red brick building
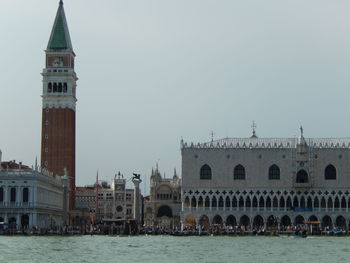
59	102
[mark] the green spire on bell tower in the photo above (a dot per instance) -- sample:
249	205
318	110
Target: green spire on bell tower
59	38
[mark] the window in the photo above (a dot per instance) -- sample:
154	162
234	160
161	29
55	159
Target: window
59	87
55	87
13	195
205	172
302	177
274	172
239	172
49	87
65	87
330	173
1	194
25	195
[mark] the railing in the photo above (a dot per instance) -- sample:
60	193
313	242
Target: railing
16	204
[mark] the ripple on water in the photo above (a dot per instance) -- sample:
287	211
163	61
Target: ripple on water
216	249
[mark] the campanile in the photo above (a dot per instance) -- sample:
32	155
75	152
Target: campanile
59	102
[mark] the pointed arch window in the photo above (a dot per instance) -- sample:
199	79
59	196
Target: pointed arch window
59	87
49	87
302	177
274	172
1	194
330	173
239	172
65	87
55	87
205	172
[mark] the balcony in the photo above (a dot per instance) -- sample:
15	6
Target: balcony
302	185
16	205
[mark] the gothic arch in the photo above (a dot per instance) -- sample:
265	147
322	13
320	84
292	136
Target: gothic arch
204	222
258	221
205	172
302	176
285	221
255	202
193	202
327	222
261	202
244	221
217	220
227	202
231	221
239	172
330	173
299	220
274	172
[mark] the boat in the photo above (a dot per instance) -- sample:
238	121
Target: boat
297	236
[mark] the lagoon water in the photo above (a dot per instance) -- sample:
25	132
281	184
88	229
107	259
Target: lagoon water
213	249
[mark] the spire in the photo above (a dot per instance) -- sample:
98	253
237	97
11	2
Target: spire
59	38
254	131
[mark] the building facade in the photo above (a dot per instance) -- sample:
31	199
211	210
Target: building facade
260	182
59	102
163	206
115	201
29	197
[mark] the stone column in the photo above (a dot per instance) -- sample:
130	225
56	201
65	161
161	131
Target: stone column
35	219
18	221
18	195
137	214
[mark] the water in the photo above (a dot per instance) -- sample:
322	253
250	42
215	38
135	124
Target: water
216	249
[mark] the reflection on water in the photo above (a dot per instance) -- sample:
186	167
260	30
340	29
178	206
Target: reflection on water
105	249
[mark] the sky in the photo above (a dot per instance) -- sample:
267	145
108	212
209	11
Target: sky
153	72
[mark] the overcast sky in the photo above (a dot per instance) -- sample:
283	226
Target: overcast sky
151	72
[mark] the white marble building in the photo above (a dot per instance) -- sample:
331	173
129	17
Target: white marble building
259	182
29	198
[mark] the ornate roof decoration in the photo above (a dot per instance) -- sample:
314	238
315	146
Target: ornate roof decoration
253	142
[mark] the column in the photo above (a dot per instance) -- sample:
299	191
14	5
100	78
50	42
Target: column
18	195
137	214
18	221
30	220
31	195
35	219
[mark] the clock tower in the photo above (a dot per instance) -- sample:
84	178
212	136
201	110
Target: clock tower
59	104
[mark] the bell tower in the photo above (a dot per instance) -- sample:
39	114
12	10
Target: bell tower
59	102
